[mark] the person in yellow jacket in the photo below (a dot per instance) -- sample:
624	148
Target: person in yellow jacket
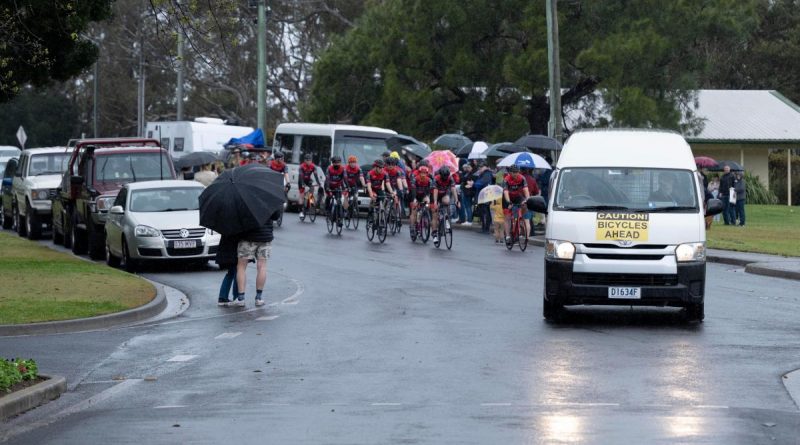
498	219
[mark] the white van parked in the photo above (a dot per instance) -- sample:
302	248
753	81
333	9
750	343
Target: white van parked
323	141
202	134
625	223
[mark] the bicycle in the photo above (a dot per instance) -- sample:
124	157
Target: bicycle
445	231
279	222
335	215
351	215
376	222
518	230
309	205
423	224
394	217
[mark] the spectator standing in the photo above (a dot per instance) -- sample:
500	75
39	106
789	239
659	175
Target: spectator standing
226	260
467	191
483	177
713	189
740	188
205	176
533	189
498	219
236	158
725	185
254	245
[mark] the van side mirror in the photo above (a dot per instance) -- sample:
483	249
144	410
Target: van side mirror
117	210
537	204
713	207
76	180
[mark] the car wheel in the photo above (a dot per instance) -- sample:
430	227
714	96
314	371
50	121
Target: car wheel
6	221
78	239
127	262
95	242
33	227
111	260
18	221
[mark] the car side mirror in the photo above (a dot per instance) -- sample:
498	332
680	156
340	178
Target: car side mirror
117	210
76	180
713	207
537	204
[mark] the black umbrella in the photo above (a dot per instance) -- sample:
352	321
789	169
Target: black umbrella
452	141
408	145
195	159
538	142
735	167
241	199
504	149
419	151
463	152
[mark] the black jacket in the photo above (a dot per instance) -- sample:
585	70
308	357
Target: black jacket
725	183
263	234
227	254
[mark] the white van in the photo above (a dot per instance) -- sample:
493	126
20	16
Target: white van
625	223
202	134
323	141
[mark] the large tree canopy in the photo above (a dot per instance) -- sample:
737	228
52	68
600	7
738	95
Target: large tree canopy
425	67
41	41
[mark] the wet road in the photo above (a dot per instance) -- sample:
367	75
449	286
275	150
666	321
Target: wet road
403	343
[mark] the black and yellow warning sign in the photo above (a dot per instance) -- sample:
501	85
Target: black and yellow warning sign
622	226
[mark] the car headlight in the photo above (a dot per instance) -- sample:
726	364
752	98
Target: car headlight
690	252
146	231
40	194
559	250
104	203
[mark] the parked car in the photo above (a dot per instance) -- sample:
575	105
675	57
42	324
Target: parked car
158	220
7	152
34	185
6	212
96	171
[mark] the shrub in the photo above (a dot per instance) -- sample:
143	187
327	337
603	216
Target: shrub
15	371
777	176
756	192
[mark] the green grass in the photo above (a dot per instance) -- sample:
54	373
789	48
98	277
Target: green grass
39	284
773	229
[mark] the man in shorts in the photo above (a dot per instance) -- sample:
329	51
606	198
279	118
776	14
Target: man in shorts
254	245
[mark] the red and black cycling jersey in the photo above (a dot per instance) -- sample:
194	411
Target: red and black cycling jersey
443	185
393	172
305	172
352	175
278	166
516	186
377	179
334	177
421	186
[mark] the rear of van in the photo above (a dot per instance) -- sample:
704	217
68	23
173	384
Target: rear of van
625	223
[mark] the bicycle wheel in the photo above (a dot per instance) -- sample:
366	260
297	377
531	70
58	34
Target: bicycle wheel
382	226
522	238
348	216
508	237
279	222
425	225
312	209
448	234
304	210
354	217
329	221
371	226
391	220
338	213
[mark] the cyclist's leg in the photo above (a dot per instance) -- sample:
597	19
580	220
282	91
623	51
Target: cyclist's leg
507	216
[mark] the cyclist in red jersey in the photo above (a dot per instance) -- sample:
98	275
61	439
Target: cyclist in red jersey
306	171
444	185
421	186
353	178
377	184
277	165
334	181
515	192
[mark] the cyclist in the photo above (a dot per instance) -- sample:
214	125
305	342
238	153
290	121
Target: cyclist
306	171
396	177
515	191
421	185
377	185
277	164
444	185
334	182
353	178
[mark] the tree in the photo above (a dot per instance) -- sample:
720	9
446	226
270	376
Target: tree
49	118
42	41
481	66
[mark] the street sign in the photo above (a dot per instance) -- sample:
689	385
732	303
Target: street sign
21	137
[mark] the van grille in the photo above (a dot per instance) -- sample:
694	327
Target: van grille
614	256
611	279
614	246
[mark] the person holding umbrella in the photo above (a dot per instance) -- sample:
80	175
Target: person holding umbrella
725	187
205	176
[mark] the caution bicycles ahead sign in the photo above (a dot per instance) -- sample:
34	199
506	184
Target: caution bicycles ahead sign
622	226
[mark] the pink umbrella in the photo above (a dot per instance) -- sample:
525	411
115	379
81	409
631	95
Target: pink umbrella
441	158
705	162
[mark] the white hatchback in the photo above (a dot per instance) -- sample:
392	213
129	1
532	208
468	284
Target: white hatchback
158	220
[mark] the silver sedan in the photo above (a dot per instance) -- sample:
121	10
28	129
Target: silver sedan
158	220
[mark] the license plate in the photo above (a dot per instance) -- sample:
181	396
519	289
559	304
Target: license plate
188	244
628	293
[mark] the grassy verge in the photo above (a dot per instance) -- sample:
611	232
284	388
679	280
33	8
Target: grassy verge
770	229
39	284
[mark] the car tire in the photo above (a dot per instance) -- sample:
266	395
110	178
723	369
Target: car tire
18	223
111	260
6	220
694	312
65	233
58	237
129	263
96	241
33	226
78	239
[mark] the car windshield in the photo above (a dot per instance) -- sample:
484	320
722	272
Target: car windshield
635	189
48	164
6	153
365	149
131	167
166	199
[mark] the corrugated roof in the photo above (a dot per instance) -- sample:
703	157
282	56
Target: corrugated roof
747	116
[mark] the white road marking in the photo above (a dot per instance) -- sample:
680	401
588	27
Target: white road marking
267	318
386	404
181	358
227	335
295	297
583	404
495	404
711	406
169	406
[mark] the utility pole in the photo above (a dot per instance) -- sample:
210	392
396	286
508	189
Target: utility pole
140	124
262	61
94	96
555	125
179	86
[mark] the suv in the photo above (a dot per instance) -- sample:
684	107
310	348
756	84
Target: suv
97	170
37	177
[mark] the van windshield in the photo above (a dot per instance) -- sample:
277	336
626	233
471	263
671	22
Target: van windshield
131	167
635	189
365	149
48	164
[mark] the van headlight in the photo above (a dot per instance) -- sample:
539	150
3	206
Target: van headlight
146	231
690	252
559	250
104	203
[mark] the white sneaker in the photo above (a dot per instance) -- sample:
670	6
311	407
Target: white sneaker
259	302
302	215
467	223
240	303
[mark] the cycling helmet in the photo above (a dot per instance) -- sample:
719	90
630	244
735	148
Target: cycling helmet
386	154
423	169
425	162
278	155
444	172
378	163
352	159
336	159
513	169
308	157
391	161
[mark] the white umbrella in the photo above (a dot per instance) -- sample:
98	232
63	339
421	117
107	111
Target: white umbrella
524	160
478	150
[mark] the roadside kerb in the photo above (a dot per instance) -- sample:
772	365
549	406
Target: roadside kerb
149	310
26	399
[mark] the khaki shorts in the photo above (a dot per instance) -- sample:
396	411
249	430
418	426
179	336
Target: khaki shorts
252	250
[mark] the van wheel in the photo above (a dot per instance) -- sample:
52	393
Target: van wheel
33	226
6	221
552	312
694	313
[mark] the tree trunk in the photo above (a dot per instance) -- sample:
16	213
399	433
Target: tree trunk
538	114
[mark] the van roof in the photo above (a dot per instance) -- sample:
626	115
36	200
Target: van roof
326	129
627	148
